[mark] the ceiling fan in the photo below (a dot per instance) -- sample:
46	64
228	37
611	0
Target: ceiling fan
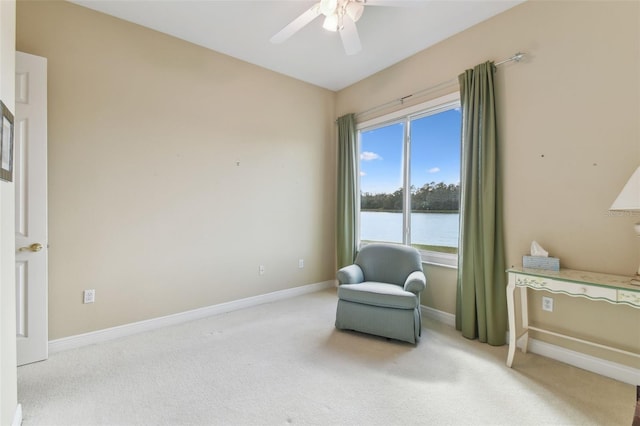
340	16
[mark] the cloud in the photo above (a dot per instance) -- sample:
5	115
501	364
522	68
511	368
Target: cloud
368	156
363	174
434	170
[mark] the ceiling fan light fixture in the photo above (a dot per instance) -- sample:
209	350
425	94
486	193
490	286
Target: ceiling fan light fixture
328	7
354	10
331	23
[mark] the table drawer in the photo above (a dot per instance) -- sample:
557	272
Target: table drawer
591	292
570	288
630	297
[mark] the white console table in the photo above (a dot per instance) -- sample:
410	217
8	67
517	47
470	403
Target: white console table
614	289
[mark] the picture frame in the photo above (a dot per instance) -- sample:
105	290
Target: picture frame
6	144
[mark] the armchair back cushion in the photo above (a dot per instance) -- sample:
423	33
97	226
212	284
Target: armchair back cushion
388	263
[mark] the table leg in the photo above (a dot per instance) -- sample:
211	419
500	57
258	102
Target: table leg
524	308
511	286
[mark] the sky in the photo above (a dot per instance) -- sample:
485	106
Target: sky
435	153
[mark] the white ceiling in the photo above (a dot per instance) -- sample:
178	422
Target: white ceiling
242	29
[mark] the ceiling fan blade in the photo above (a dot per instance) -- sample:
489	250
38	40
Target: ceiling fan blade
350	37
297	24
396	3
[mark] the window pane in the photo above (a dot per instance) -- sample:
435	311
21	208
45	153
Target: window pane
381	157
435	181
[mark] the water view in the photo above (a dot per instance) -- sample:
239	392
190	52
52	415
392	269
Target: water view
434	229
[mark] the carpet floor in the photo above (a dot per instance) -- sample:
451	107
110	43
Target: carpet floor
284	363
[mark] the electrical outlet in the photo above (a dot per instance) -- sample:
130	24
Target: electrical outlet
300	263
261	269
89	296
547	304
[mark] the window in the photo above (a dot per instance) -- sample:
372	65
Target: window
410	179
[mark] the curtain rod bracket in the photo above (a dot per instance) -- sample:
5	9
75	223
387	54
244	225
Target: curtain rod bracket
515	58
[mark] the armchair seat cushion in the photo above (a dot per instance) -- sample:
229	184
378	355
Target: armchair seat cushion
378	294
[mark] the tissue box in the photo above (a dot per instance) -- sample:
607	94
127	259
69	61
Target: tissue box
540	262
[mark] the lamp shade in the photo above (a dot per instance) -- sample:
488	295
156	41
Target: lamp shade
629	197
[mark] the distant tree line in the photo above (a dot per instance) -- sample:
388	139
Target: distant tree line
431	197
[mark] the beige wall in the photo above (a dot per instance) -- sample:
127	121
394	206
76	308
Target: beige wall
570	134
8	387
174	172
149	207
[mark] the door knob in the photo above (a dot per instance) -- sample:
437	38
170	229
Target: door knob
32	247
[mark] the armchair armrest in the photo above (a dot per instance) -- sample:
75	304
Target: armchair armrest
416	282
351	274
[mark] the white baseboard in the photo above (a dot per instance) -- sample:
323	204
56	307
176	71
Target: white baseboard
17	417
179	318
441	316
613	370
596	365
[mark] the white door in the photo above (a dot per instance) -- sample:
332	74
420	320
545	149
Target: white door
30	177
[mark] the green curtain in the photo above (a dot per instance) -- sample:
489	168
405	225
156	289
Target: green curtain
481	306
347	196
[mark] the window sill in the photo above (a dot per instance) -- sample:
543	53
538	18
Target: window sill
445	260
435	258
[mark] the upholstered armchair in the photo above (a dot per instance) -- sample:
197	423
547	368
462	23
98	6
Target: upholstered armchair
380	293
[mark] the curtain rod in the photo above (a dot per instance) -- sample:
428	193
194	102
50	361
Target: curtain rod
515	58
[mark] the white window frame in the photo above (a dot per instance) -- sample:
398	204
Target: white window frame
447	260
